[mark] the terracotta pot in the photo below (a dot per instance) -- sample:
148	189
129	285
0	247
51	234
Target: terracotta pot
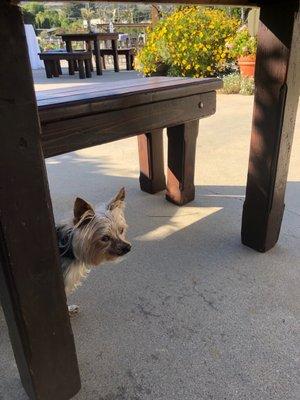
247	65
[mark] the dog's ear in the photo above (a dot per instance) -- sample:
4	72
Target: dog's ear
80	208
117	201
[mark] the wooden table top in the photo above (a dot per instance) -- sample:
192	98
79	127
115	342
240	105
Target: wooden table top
90	36
98	97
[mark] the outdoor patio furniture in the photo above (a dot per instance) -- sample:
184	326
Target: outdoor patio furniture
31	283
83	60
92	41
127	52
74	120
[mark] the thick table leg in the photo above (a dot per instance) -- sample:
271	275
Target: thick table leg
276	98
103	61
59	67
115	55
48	68
97	57
128	61
181	162
131	62
54	68
81	69
70	62
31	284
152	177
88	64
88	47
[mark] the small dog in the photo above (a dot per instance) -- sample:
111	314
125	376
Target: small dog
90	239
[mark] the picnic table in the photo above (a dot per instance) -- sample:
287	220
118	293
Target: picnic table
31	285
94	38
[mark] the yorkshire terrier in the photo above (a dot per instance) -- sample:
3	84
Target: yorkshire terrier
91	238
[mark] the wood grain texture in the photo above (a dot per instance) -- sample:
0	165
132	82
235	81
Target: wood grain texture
85	131
181	162
31	283
78	117
60	104
151	156
276	99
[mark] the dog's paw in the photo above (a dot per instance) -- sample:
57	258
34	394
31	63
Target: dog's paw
73	310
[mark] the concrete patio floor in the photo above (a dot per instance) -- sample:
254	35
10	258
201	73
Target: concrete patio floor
190	314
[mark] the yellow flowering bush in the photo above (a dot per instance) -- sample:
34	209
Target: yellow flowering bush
189	42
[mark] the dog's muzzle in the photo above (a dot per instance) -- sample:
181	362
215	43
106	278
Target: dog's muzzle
124	249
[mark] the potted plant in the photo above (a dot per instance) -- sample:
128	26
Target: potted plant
243	49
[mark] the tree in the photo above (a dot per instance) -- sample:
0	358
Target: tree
33	8
88	14
73	10
30	10
28	17
48	19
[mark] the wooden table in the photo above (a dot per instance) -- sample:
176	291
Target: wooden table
31	285
94	38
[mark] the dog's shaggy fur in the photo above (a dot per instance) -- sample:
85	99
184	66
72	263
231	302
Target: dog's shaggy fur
91	238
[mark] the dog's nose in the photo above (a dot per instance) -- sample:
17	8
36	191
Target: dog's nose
126	248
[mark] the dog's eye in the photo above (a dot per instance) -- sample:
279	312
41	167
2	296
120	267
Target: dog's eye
121	230
105	238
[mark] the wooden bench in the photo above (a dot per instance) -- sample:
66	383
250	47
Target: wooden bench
129	54
78	117
52	62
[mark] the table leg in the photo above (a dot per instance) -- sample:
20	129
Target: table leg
181	162
128	61
103	61
97	57
276	99
54	68
48	68
59	67
87	64
31	284
115	55
152	177
131	62
81	69
88	46
70	62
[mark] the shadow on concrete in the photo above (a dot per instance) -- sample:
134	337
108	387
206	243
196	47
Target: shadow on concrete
191	313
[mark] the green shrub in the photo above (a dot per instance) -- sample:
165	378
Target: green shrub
189	42
242	44
237	84
231	84
247	85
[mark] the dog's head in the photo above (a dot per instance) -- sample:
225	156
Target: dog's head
100	235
